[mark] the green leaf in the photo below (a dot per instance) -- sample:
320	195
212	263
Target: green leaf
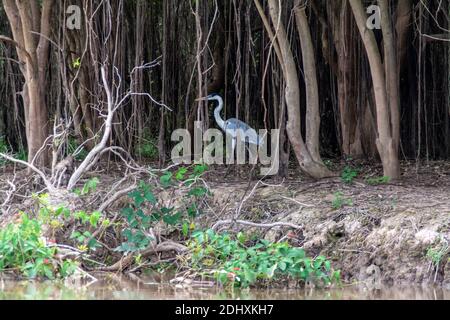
271	271
181	173
94	218
198	192
138	198
172	220
250	275
200	169
150	197
185	229
90	186
166	179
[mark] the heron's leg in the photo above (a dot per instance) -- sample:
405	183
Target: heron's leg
250	153
233	148
254	164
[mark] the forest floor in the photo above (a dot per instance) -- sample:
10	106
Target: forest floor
394	233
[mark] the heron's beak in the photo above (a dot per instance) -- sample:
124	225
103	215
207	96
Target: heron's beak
200	99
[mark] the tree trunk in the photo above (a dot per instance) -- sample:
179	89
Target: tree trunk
312	88
26	19
387	125
292	95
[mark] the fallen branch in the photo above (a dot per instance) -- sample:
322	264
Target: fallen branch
119	194
125	262
256	225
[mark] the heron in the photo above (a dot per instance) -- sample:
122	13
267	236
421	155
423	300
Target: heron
233	127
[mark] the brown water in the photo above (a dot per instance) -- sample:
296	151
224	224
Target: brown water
151	288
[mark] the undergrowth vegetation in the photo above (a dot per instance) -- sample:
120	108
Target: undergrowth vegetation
5	148
24	250
33	246
240	262
349	174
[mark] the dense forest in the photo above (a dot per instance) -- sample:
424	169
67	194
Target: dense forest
91	92
228	47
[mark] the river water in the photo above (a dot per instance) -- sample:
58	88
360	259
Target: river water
113	287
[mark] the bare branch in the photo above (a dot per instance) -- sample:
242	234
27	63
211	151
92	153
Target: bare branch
47	183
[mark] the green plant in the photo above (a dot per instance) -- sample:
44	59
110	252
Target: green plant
349	174
89	187
378	180
147	147
73	146
146	210
22	155
57	217
328	163
339	201
22	249
236	262
437	253
76	64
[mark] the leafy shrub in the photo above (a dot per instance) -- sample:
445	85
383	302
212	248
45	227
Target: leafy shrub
57	217
22	249
238	264
339	201
349	174
89	187
146	210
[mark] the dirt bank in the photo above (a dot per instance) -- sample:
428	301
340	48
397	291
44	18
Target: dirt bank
392	234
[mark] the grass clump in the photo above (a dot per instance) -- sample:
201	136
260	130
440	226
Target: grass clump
378	181
339	201
349	174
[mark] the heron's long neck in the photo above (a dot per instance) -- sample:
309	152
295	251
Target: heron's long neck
219	120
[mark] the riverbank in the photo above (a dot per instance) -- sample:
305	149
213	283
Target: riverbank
376	233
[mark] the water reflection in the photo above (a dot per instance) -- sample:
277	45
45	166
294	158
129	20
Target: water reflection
113	287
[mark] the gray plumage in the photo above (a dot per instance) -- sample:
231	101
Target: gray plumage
234	127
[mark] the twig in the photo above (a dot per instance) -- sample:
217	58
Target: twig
298	202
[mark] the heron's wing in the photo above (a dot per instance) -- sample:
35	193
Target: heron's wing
233	125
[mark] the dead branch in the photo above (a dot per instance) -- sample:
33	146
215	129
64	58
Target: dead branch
47	183
125	262
256	225
92	155
9	195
